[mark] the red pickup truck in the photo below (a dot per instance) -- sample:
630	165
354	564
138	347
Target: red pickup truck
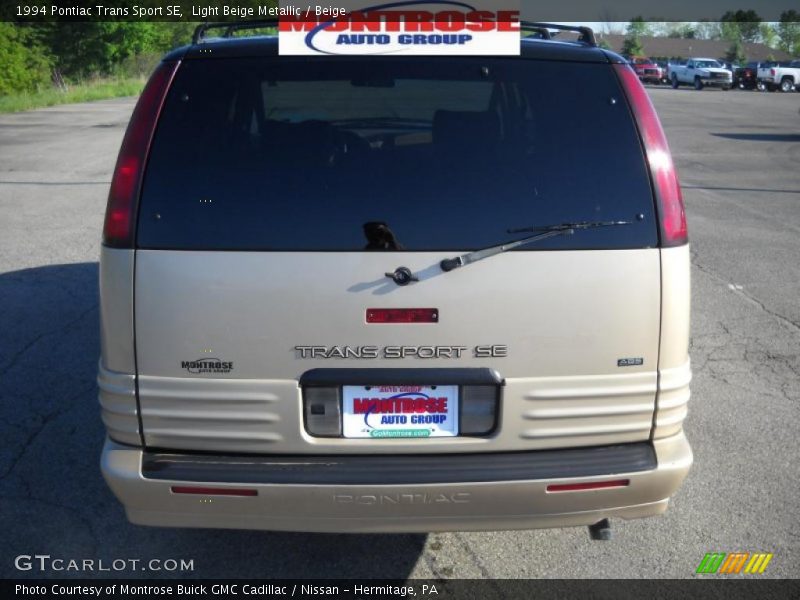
647	70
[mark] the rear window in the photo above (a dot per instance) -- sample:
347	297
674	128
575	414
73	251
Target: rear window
392	154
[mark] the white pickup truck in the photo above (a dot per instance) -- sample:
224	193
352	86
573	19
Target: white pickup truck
785	75
701	72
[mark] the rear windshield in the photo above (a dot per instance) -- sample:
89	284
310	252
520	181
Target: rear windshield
392	154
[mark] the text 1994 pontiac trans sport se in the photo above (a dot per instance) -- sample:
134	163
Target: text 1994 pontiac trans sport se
394	294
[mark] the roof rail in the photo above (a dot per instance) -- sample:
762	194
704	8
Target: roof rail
586	33
230	28
543	29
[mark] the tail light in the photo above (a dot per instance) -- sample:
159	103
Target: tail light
402	315
123	197
590	485
772	71
665	180
213	491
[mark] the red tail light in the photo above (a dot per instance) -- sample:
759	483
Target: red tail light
665	179
402	315
120	221
213	491
592	485
772	71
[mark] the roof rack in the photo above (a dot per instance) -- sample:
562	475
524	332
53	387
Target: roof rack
543	29
230	28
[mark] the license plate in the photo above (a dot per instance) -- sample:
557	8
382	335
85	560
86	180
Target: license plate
399	411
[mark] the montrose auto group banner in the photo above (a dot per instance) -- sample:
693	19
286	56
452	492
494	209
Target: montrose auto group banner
404	27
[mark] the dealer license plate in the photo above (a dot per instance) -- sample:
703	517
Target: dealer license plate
399	411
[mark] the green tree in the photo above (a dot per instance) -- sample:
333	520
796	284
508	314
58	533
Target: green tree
94	48
708	30
632	46
25	62
735	53
768	35
639	27
742	25
788	31
682	30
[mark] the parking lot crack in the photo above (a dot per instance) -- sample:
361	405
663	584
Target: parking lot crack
744	295
42	425
15	358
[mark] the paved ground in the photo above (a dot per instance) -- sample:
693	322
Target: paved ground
739	157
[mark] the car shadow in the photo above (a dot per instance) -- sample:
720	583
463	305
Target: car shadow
760	137
53	499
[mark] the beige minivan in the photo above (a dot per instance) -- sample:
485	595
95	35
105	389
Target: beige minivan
391	294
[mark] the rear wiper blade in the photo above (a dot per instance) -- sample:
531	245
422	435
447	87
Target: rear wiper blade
539	233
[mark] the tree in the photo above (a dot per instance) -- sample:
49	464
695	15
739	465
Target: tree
632	46
95	48
788	31
735	53
638	27
742	25
611	24
682	30
708	30
602	43
768	34
26	63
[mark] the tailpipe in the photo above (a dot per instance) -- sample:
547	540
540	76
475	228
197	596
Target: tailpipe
600	530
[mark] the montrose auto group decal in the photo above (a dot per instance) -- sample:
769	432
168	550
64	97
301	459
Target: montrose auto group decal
408	27
400	411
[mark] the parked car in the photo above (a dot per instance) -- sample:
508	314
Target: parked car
664	70
746	77
647	70
671	65
701	72
780	75
374	294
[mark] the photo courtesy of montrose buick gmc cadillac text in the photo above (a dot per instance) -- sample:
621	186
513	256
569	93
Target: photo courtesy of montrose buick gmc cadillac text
390	294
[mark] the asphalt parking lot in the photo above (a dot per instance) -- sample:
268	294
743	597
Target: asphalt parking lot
738	155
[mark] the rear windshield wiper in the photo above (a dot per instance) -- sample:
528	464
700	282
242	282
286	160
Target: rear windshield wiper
542	233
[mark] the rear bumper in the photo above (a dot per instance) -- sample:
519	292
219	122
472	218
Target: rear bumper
326	496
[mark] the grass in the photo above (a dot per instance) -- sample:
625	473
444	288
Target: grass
82	92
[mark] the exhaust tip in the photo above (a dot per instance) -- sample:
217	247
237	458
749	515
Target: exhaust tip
600	530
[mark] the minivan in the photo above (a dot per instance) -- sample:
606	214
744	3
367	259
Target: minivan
394	293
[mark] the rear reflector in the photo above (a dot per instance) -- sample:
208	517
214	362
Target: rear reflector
402	315
120	222
593	485
214	491
665	179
